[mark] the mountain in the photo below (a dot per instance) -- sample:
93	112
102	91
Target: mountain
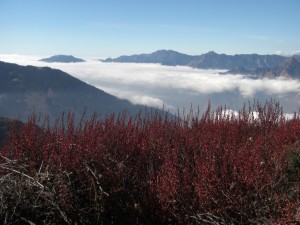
246	64
256	73
24	89
297	56
164	57
210	60
290	68
62	59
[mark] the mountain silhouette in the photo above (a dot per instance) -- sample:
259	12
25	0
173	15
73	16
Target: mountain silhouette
289	68
164	57
210	60
62	59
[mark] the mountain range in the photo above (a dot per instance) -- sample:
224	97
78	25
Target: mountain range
24	89
164	57
289	68
210	60
62	59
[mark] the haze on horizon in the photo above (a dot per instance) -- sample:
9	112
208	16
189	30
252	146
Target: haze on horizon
113	28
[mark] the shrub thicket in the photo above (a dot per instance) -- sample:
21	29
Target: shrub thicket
215	168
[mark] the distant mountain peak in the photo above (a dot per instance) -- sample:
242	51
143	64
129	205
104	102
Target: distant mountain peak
211	53
62	59
166	51
164	57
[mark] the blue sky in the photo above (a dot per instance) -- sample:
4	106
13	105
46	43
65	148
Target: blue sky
117	27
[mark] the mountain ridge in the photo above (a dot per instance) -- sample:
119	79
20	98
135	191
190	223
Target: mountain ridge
164	57
62	59
210	60
290	68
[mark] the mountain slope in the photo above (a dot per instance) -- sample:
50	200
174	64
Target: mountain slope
164	57
24	89
290	68
210	60
62	59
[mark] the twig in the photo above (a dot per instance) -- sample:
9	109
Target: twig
28	221
96	179
23	174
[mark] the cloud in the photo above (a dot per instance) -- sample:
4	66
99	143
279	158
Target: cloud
287	54
279	52
296	52
173	87
137	98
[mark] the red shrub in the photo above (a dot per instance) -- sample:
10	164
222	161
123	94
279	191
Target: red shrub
150	169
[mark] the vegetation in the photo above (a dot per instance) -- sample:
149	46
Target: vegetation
215	168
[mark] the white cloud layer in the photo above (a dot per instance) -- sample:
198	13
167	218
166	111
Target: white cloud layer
173	87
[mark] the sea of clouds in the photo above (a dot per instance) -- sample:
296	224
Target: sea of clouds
173	88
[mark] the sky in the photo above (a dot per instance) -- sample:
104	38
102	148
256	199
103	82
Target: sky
112	28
